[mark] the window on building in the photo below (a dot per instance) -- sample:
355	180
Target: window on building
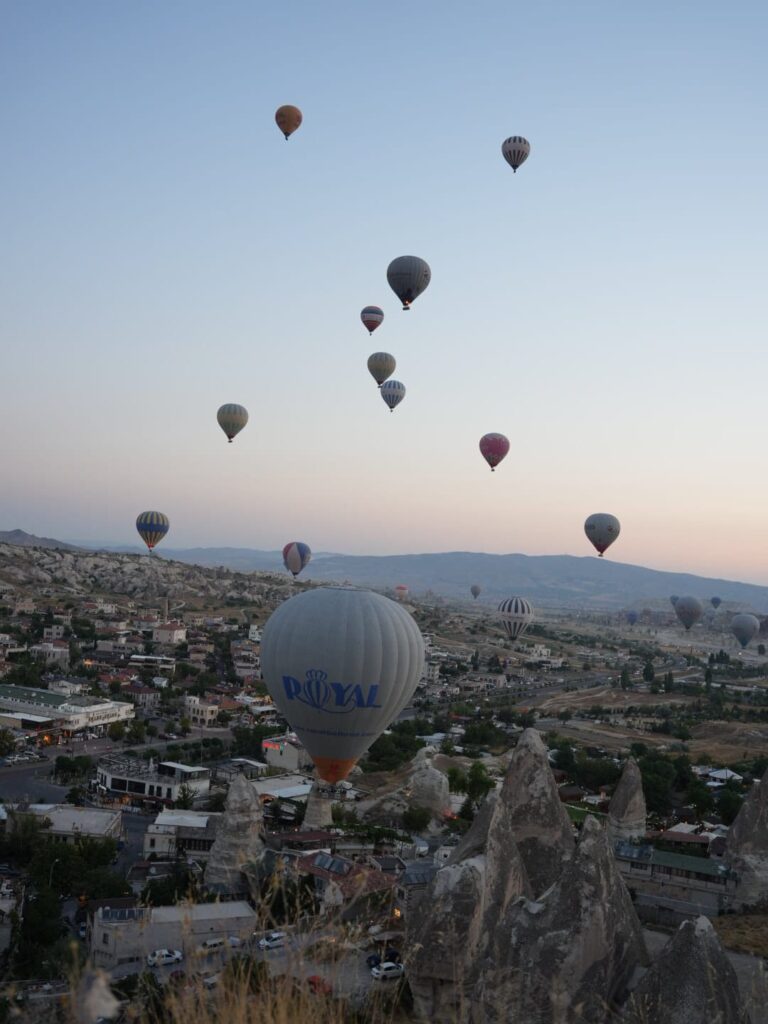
105	939
151	844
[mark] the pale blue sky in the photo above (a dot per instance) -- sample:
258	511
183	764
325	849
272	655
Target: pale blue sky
166	251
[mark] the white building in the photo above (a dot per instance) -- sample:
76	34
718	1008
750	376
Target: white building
53	652
134	779
199	711
53	632
178	833
285	752
125	936
65	823
71	713
171	633
254	633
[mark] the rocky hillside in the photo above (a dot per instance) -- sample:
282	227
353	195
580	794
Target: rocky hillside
54	572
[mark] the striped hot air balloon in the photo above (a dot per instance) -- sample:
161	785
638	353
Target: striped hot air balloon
393	392
516	616
372	316
232	418
381	365
296	556
152	527
515	151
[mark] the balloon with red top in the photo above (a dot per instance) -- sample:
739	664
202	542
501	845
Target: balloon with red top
372	317
296	556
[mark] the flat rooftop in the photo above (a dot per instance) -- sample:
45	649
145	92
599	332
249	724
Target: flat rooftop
203	912
68	818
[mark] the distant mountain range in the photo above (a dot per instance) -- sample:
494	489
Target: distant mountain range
28	540
549	580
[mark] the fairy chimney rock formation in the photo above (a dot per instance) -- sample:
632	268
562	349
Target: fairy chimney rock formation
539	822
319	810
691	982
429	789
239	839
571	954
626	812
747	845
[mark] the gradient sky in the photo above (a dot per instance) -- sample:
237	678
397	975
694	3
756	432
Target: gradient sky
165	251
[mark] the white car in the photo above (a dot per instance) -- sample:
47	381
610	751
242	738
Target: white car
212	945
163	957
387	971
273	940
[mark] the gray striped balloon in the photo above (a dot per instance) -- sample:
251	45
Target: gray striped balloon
516	615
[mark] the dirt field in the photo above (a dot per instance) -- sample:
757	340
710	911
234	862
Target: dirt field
609	697
744	933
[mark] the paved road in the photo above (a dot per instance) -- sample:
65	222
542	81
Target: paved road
30	781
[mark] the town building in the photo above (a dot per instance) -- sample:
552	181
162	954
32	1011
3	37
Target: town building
65	823
121	936
55	632
134	780
285	752
170	633
70	714
178	833
145	697
52	652
200	712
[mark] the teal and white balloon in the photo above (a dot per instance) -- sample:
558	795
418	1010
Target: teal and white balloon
340	664
393	392
232	418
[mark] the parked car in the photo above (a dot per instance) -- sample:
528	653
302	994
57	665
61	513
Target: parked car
162	957
373	960
82	931
273	940
387	972
219	943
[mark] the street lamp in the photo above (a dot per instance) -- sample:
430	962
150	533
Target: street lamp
50	873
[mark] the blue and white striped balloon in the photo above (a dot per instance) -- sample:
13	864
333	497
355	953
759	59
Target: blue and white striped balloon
393	392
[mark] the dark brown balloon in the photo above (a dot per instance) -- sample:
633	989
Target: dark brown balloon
288	119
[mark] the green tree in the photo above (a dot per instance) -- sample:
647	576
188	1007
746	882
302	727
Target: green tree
457	780
185	726
728	804
479	783
624	679
564	714
137	731
7	742
700	797
116	731
649	673
416	819
185	798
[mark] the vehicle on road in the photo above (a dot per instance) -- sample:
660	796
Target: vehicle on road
387	972
163	957
219	943
82	931
273	940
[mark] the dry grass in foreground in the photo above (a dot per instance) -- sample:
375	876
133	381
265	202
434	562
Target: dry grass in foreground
744	933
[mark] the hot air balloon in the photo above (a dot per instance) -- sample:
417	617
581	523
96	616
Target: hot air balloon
296	556
515	150
715	602
408	276
689	610
631	618
393	392
745	627
340	664
232	418
372	316
494	448
673	600
381	365
763	627
288	119
152	527
602	529
516	616
475	591
401	591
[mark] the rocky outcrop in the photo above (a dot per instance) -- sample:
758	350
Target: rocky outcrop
747	846
429	788
568	957
462	911
239	839
627	811
542	830
692	982
319	809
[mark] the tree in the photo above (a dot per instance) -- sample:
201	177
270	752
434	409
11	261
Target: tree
564	714
700	797
625	680
669	682
137	731
185	726
416	819
479	782
7	742
728	804
116	731
185	798
649	673
457	780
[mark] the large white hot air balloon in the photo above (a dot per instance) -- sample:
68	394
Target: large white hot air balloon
340	664
381	365
602	529
516	615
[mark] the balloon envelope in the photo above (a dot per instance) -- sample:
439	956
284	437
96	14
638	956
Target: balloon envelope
689	610
515	150
401	591
288	119
632	618
408	276
673	600
296	556
381	365
340	664
602	529
475	590
745	628
393	392
372	316
232	418
494	448
715	602
152	527
516	615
